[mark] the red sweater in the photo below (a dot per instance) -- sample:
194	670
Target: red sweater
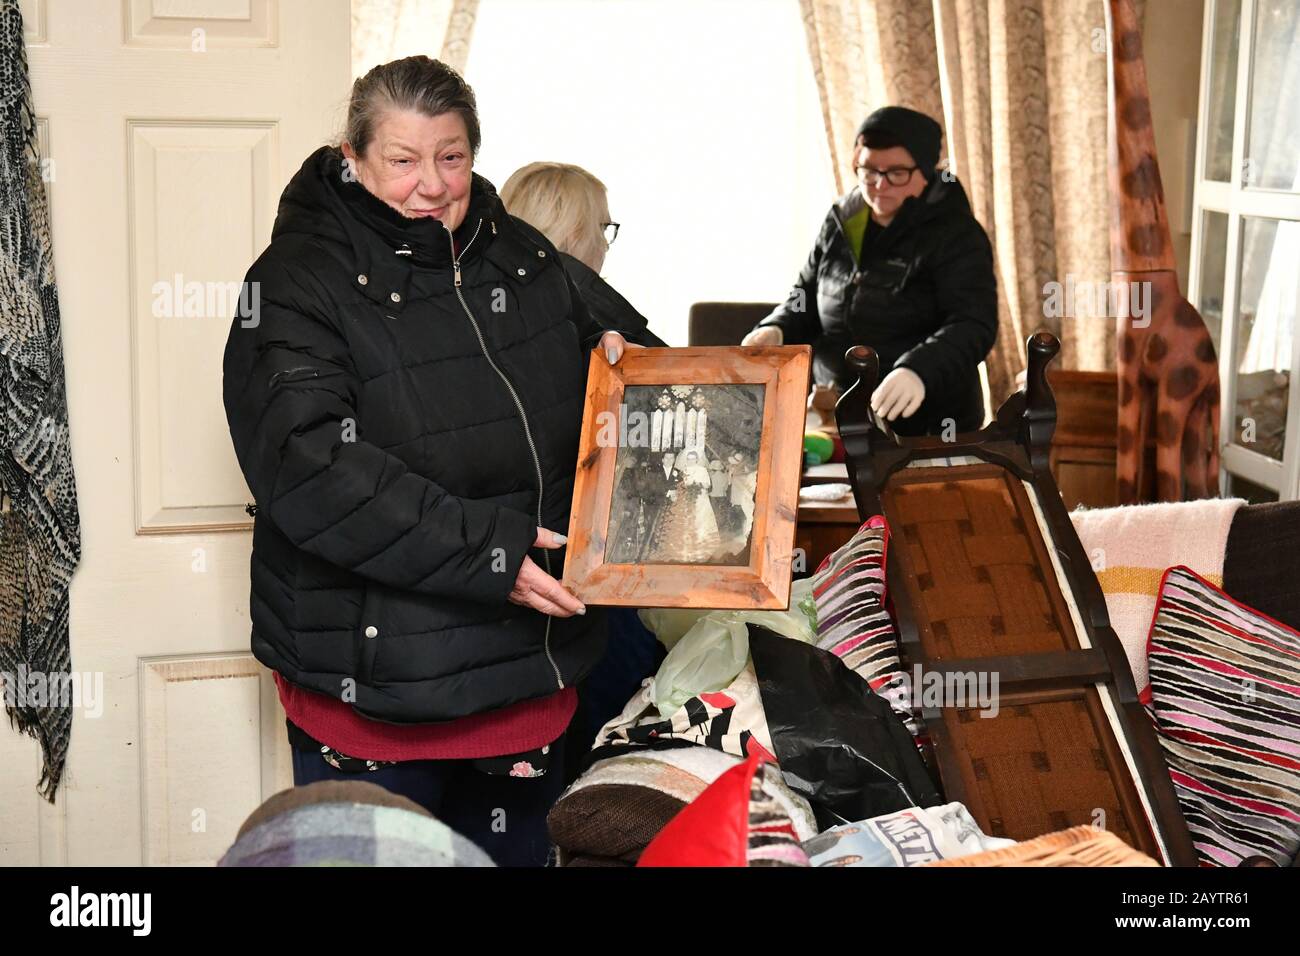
524	726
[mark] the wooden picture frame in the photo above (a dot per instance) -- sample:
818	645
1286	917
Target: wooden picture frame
647	528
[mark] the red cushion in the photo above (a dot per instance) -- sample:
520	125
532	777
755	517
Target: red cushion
713	829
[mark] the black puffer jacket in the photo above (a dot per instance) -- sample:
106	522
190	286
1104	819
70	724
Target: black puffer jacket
609	309
396	416
924	297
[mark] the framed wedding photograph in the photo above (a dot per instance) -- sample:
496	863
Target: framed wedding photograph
687	487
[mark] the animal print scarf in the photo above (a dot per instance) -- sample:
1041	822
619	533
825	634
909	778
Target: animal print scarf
40	537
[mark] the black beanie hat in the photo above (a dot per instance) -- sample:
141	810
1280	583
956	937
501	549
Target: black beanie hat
915	132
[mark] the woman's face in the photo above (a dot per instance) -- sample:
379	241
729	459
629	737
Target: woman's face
598	254
883	198
420	165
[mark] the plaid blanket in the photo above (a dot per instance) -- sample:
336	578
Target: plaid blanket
352	823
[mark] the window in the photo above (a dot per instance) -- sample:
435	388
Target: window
702	120
1246	241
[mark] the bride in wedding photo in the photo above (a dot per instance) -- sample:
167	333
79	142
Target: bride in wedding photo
688	530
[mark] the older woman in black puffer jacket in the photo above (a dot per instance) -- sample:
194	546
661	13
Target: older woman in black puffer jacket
405	404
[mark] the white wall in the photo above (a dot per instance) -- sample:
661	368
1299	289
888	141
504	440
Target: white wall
702	119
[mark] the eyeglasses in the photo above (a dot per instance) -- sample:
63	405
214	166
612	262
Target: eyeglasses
895	175
611	232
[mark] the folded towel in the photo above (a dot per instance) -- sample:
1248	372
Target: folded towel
1130	548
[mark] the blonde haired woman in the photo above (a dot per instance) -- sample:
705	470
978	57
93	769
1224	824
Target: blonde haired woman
570	207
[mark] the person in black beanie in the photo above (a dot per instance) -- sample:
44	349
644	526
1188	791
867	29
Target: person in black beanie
902	265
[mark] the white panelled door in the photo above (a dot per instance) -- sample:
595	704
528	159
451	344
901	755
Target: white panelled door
171	127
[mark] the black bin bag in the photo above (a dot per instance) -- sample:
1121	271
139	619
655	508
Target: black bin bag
839	744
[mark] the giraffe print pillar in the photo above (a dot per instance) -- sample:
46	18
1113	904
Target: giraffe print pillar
1167	367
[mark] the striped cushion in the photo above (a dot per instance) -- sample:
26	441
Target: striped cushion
747	817
621	802
1225	693
852	620
773	833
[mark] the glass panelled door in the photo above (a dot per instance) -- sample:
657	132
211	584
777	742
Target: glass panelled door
1246	242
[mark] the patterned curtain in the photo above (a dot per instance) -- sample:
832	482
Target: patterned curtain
867	54
1021	88
1027	106
460	26
384	30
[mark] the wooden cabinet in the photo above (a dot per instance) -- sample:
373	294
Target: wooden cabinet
1083	447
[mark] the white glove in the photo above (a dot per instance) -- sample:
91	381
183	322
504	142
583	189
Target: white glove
899	395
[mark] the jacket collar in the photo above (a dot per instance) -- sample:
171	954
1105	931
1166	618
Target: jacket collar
387	245
848	205
320	201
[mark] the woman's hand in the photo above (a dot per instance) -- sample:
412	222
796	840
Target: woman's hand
613	343
899	395
766	335
536	589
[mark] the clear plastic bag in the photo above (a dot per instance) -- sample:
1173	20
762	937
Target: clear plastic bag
715	647
670	624
706	659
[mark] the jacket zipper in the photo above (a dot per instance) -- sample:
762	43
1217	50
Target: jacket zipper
523	417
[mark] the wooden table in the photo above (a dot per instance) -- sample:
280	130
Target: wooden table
823	525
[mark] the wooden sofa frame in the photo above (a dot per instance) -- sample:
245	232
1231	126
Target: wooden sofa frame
1070	744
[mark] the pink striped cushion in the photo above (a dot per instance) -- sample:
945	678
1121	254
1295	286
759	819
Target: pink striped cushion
852	620
1225	694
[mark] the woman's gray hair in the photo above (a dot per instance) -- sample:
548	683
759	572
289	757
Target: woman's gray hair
418	83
